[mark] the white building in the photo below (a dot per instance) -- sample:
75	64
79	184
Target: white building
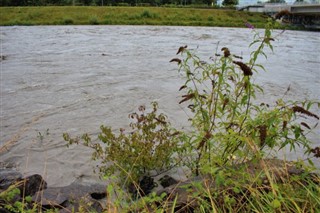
244	2
254	2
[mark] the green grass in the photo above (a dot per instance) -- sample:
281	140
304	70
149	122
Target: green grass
79	15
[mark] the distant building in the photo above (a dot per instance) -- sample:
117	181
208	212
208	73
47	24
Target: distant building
255	2
244	2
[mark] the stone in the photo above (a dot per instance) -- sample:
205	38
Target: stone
27	186
3	57
32	184
67	199
8	177
166	181
71	197
145	186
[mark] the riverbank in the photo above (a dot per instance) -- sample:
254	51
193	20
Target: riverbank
239	192
79	15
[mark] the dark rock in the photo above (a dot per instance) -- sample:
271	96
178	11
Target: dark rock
51	198
67	199
86	203
98	195
3	57
146	184
27	186
3	210
8	177
32	184
166	181
71	197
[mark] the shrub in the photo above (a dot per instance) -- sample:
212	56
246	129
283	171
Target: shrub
210	18
148	14
67	21
227	125
148	147
93	20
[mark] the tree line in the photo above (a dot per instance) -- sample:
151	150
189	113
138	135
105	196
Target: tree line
112	2
124	2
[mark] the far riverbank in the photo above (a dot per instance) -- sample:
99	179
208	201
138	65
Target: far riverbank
83	15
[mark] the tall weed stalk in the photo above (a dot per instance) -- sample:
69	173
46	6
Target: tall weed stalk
228	127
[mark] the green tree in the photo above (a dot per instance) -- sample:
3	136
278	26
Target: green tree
230	2
276	1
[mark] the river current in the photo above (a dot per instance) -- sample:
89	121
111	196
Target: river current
57	79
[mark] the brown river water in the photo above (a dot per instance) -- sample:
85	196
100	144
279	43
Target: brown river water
57	79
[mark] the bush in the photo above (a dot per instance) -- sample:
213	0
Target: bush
148	14
148	147
93	21
227	124
67	21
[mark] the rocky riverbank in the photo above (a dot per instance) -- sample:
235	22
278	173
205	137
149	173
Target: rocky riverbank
92	197
44	197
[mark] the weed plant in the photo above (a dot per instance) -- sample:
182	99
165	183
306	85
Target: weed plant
148	146
227	125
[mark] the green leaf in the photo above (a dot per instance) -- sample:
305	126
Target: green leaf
297	132
236	190
310	162
275	204
28	199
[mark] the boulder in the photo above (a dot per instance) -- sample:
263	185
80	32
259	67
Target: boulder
32	184
66	199
8	177
144	187
71	197
27	186
166	181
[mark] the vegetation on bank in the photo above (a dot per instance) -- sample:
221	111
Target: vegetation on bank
128	16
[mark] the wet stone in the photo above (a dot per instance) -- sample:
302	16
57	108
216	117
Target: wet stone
166	181
8	177
146	184
32	184
70	197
